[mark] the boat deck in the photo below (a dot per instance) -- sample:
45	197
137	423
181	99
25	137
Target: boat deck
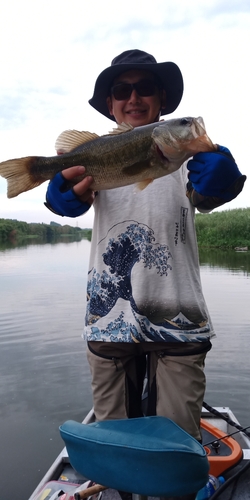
237	485
238	489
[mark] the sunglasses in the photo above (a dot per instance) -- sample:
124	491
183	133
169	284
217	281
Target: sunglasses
123	91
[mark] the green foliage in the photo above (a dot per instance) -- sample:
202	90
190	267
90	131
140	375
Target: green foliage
17	231
226	229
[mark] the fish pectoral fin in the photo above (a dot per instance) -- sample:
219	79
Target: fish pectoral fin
71	139
143	184
135	169
121	129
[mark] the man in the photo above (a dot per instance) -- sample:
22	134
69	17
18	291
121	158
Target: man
144	295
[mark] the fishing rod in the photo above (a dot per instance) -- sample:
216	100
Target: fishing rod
226	418
227	435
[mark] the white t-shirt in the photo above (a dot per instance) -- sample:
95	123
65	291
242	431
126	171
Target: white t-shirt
144	279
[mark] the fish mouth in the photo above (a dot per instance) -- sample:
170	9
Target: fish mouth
161	154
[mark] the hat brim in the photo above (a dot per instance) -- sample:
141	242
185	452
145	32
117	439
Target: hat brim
168	73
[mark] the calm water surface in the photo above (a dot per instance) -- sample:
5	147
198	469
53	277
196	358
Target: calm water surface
44	373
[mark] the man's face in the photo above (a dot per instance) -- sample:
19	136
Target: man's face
136	110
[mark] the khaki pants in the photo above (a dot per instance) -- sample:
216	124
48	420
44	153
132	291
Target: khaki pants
176	381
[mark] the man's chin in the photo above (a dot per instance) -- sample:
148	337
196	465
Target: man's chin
137	120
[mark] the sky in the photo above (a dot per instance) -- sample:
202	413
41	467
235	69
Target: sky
52	51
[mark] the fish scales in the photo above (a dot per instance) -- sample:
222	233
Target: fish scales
123	157
99	157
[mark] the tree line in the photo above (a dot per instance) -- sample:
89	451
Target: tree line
14	230
225	229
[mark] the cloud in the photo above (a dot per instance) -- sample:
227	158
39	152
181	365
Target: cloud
13	110
227	7
19	104
52	52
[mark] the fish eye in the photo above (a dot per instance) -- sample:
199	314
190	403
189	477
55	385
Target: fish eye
185	121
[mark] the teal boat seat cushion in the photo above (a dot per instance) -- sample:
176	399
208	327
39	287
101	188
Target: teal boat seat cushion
149	456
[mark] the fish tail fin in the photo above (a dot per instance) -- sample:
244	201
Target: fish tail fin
18	173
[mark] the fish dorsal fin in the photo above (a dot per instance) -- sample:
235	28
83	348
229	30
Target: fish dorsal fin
71	139
121	129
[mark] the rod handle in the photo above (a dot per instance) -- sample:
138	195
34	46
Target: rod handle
96	488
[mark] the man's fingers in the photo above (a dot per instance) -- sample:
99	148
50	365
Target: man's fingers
70	173
83	187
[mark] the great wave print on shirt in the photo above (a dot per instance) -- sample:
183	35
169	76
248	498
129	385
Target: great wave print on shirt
112	313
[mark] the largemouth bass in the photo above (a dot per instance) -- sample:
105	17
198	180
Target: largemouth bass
125	156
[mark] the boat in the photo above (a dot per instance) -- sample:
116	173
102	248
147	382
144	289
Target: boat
225	441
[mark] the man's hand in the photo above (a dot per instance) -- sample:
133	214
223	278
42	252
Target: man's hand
216	174
66	201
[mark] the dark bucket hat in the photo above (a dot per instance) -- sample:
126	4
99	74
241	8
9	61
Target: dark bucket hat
168	73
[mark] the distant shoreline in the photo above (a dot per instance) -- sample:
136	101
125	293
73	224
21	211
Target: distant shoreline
14	230
225	229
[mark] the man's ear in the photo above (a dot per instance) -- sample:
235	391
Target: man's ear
110	105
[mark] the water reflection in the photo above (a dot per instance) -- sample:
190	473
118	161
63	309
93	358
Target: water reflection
226	286
33	240
227	259
44	376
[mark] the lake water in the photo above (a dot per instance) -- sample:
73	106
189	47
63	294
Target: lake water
45	377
